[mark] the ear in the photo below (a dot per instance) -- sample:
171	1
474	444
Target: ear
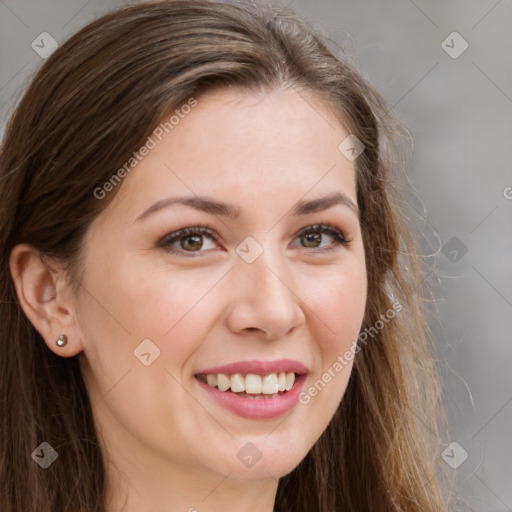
46	299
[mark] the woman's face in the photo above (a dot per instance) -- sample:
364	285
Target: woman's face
257	288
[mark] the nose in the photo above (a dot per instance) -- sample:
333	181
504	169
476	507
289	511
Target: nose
262	298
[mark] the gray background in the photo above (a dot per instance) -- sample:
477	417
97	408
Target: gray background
459	113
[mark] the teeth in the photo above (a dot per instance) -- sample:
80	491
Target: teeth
270	384
253	384
282	381
223	382
237	383
290	379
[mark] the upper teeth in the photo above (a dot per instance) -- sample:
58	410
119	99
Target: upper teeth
251	383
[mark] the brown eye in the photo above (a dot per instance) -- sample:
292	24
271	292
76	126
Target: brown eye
188	240
313	236
312	240
191	243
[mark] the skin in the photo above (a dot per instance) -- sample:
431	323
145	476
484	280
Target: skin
168	445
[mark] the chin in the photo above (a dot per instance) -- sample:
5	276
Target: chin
263	460
269	470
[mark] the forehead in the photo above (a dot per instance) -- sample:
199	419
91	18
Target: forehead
273	146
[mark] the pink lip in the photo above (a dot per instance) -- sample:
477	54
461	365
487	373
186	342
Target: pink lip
259	367
256	408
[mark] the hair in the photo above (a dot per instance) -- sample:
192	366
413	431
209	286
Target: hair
92	103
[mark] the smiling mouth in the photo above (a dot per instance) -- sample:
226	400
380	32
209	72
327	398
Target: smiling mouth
250	385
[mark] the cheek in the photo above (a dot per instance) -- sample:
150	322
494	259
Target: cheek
337	306
167	307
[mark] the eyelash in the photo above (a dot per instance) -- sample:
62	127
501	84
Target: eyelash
324	228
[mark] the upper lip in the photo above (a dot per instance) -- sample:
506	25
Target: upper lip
258	367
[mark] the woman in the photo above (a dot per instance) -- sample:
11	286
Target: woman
209	294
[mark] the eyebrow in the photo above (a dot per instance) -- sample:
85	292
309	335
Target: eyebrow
232	211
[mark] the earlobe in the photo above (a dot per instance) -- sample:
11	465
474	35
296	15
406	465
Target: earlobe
45	300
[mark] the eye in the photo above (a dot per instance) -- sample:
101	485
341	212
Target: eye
190	241
312	237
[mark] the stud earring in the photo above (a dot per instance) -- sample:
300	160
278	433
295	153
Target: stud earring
63	339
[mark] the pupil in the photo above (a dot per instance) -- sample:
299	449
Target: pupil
196	242
313	237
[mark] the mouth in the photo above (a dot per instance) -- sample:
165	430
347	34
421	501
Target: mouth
251	385
255	389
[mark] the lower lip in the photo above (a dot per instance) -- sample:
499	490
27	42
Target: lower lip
257	408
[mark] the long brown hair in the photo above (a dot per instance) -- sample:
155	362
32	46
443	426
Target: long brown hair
95	101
